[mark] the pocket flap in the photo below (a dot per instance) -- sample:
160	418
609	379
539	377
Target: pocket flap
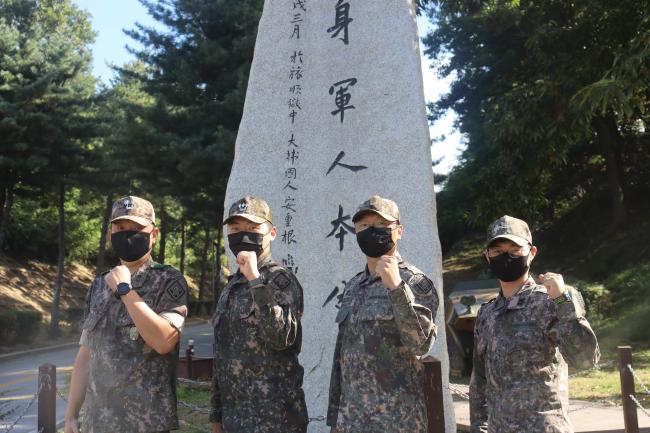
243	307
342	314
376	309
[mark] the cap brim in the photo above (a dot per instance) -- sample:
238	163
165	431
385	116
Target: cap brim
516	239
361	213
249	217
136	219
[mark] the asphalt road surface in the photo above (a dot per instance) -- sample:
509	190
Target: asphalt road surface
19	377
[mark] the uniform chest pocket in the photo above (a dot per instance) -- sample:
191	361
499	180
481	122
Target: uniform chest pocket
243	308
128	335
376	308
527	336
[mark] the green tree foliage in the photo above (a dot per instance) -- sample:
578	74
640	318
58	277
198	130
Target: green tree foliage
46	91
551	100
196	70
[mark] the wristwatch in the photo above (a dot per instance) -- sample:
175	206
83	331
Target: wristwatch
564	297
257	282
122	289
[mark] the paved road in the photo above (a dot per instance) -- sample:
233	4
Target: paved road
586	417
19	376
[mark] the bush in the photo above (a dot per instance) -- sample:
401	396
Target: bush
7	327
597	299
73	315
19	326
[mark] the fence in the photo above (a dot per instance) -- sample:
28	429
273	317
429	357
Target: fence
628	390
194	371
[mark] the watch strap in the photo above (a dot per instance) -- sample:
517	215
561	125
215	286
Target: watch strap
257	282
563	298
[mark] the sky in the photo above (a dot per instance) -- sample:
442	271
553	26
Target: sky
110	17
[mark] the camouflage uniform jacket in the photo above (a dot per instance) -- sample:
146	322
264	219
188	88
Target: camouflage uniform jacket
131	388
257	379
376	382
520	344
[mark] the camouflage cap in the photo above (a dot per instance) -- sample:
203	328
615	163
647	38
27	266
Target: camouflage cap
383	207
252	208
135	209
510	228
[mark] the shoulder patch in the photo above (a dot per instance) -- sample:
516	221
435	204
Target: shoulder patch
176	288
280	279
421	284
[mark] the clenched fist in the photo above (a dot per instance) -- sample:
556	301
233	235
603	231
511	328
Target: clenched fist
388	271
554	283
119	274
247	262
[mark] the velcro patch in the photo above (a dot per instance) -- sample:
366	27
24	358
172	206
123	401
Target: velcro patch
421	284
176	289
281	280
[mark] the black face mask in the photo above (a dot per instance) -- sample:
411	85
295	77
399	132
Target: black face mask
130	245
508	269
246	241
375	242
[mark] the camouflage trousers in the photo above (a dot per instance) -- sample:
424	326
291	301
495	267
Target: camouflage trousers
271	416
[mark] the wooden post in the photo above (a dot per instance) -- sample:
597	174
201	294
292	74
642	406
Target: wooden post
627	389
47	398
433	395
188	355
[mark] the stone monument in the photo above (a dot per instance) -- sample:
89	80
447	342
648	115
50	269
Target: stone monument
334	114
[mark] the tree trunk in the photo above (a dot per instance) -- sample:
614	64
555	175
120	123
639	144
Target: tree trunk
3	199
163	234
101	256
216	273
204	262
6	215
183	239
610	142
54	323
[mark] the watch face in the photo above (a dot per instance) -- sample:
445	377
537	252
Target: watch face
123	288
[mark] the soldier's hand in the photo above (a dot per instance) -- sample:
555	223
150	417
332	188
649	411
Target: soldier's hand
119	274
554	283
388	271
216	427
71	426
247	262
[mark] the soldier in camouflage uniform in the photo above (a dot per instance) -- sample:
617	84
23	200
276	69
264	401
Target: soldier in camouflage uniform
257	380
386	322
125	371
521	340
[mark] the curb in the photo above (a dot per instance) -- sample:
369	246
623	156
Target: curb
12	355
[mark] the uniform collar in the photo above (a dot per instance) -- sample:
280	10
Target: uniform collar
146	265
518	300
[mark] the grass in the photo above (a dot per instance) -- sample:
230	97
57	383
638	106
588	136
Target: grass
605	385
191	421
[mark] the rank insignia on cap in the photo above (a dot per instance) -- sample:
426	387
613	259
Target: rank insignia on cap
243	207
128	204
